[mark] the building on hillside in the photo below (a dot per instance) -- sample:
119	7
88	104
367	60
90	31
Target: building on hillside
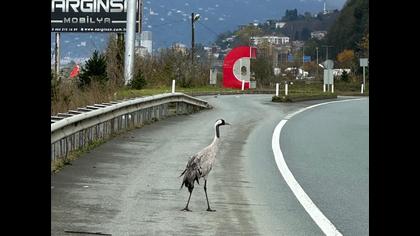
179	47
297	45
142	51
318	34
339	72
280	25
146	41
271	22
274	40
241	27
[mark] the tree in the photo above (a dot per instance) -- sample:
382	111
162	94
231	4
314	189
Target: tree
290	15
307	15
296	35
305	34
94	69
346	58
244	35
115	59
351	25
345	76
262	66
363	46
138	82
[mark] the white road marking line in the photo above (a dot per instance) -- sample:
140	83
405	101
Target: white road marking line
326	226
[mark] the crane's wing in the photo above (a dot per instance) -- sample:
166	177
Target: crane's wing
193	163
192	172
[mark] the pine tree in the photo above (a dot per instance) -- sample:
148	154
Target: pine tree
345	76
94	69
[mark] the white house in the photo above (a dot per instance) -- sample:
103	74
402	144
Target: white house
318	34
339	72
280	25
276	40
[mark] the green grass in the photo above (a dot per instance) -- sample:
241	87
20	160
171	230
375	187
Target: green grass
303	97
298	88
301	91
131	93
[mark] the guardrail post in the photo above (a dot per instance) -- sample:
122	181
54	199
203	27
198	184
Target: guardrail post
173	86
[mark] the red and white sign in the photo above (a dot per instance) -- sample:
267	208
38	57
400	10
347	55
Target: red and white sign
75	71
236	67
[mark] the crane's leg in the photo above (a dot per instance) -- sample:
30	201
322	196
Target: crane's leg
186	207
205	190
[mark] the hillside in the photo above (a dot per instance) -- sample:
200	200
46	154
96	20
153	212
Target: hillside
351	27
301	28
297	27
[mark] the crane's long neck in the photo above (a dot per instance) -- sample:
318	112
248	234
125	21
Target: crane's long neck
216	135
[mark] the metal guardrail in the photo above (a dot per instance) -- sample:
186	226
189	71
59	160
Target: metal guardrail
78	128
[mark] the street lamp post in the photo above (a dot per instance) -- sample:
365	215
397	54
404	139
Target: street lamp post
194	18
303	56
327	46
317	62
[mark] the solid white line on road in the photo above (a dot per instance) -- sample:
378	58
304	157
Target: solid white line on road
326	226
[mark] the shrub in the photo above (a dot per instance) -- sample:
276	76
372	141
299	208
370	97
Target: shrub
345	76
138	82
94	69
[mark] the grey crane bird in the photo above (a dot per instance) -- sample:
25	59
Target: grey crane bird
201	163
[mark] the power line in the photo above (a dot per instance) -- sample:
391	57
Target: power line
212	31
168	23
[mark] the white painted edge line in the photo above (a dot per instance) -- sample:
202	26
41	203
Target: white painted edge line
326	226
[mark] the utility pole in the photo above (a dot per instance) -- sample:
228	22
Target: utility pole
129	41
139	28
317	62
327	46
192	38
194	18
140	16
303	56
57	55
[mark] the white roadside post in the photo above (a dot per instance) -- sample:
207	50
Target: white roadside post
243	84
277	89
173	86
323	86
286	88
363	79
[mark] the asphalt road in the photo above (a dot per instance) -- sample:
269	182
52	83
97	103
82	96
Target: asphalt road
327	150
130	185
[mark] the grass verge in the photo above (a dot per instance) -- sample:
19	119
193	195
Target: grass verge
303	97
